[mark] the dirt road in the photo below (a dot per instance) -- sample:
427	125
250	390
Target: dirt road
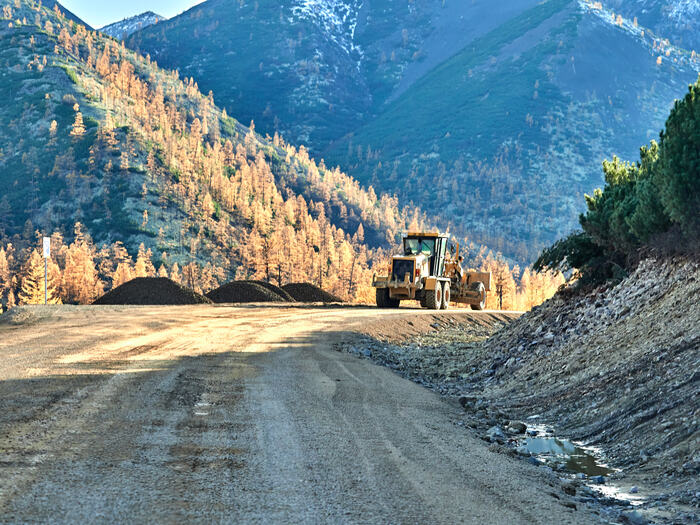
224	414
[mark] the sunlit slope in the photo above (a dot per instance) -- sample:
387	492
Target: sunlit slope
91	132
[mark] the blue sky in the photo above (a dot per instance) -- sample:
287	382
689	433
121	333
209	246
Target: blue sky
98	13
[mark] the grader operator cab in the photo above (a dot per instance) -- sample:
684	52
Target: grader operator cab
429	273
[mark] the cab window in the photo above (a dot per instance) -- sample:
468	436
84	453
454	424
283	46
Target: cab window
411	246
415	246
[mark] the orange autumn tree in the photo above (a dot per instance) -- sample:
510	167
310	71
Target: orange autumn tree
32	289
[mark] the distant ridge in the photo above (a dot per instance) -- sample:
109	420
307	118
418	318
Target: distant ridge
125	28
51	3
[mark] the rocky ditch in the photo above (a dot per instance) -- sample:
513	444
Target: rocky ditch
613	376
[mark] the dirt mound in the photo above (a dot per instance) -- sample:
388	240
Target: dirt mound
247	292
152	291
308	293
276	289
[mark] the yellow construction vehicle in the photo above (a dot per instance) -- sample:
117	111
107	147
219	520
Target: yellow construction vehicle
429	273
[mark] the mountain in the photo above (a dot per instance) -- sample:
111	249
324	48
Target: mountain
53	4
516	125
492	119
314	69
91	132
676	20
121	30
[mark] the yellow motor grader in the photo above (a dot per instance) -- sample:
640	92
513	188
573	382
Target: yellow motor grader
429	273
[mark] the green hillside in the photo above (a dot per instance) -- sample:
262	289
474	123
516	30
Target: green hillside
491	139
91	132
480	116
248	53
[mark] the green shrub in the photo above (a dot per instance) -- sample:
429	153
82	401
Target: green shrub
677	174
72	75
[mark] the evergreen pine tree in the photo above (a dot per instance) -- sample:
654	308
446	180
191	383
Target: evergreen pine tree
144	267
122	274
678	173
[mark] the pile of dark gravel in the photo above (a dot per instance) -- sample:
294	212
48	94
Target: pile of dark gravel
276	289
151	291
308	293
248	292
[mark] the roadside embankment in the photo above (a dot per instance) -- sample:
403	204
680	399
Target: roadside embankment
617	369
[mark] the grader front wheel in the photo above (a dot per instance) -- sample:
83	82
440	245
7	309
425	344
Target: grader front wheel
433	298
384	299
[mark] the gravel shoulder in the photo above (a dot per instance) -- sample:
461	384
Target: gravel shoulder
204	413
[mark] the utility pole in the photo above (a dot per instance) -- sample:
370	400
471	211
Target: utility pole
47	254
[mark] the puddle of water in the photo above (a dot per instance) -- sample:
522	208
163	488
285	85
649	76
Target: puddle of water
575	458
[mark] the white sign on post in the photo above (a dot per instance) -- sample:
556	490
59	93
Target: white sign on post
47	255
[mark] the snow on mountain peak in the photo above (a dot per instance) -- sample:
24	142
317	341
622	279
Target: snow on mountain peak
124	28
337	19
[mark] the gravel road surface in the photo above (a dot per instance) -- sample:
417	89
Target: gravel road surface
223	414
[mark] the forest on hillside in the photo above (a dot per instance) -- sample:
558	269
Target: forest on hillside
138	155
134	172
492	120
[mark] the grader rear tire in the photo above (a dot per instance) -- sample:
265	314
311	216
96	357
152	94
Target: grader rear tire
481	289
384	299
446	297
433	298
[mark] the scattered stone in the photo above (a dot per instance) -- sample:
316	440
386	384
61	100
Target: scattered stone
569	488
598	480
467	402
495	433
523	451
516	427
634	490
634	517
